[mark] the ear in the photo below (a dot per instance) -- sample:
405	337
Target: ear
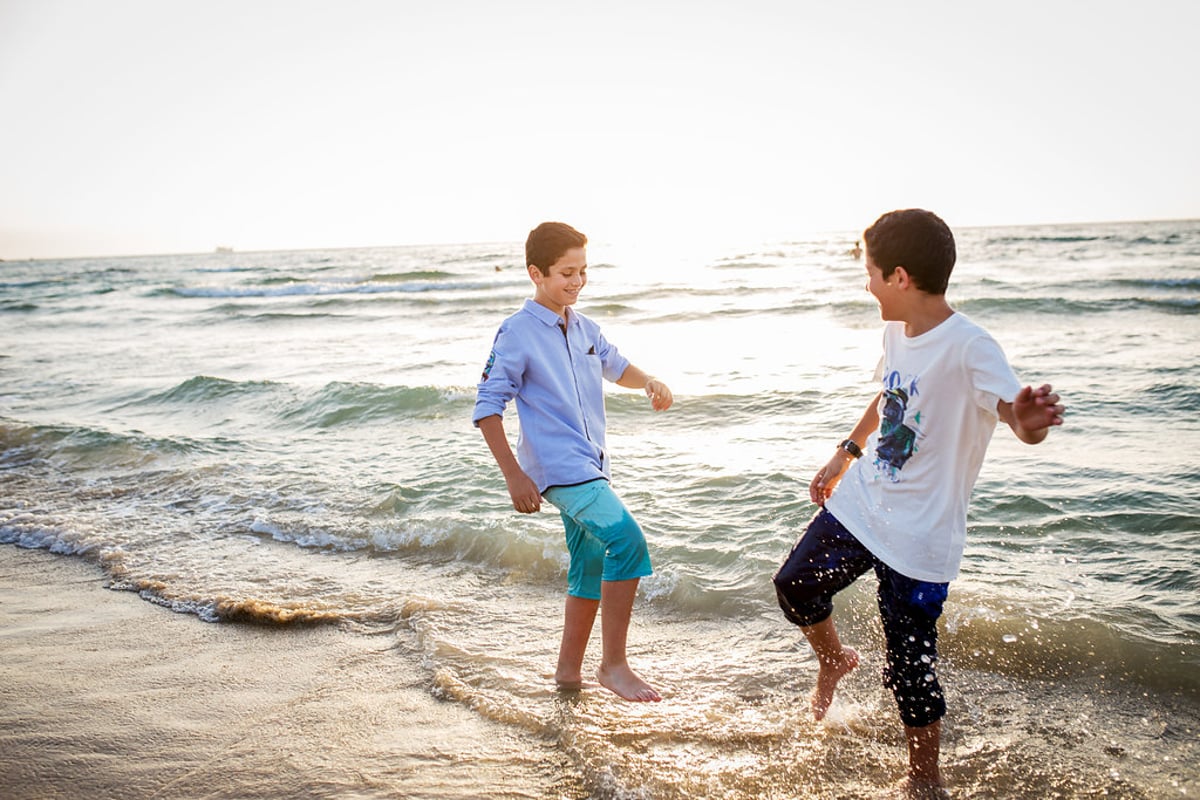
535	274
903	279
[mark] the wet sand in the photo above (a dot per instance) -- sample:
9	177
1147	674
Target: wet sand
103	694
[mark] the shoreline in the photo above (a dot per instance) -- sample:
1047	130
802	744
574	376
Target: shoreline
103	694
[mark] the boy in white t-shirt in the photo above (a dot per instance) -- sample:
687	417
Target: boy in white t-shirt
901	507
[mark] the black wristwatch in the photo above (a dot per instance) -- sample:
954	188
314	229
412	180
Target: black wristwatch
851	447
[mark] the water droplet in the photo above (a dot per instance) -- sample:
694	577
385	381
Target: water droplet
1009	638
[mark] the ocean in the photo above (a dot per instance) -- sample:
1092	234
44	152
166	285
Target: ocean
285	438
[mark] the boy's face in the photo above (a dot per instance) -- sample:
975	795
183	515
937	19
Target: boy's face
885	291
561	286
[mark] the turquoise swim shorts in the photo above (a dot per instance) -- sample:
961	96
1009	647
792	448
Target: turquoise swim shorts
604	540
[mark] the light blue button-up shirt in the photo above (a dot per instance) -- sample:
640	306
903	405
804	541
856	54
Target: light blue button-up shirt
556	376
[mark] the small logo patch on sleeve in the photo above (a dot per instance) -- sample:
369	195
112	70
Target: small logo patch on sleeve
491	362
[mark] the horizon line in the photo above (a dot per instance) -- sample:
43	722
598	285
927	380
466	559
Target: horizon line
231	250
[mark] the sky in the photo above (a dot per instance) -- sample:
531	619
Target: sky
162	126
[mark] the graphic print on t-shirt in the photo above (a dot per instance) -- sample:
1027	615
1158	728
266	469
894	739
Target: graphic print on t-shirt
897	441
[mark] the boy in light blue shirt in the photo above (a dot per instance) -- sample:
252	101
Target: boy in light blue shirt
553	361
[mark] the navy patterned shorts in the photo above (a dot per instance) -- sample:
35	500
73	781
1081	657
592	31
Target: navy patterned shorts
826	559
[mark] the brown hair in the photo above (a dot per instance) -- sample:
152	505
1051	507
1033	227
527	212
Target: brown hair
917	240
549	242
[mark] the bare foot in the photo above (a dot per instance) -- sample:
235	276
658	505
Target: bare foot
827	680
625	683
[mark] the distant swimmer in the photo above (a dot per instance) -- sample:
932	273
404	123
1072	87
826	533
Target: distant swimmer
857	251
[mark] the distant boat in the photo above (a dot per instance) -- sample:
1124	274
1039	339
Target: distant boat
223	249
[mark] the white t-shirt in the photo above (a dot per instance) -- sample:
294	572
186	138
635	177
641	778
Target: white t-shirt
906	498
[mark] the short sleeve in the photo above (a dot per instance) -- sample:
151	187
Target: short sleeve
992	379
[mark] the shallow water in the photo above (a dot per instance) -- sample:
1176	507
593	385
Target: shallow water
285	437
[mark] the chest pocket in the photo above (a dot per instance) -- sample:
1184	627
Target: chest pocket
589	367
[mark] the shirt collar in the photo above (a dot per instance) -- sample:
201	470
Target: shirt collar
546	315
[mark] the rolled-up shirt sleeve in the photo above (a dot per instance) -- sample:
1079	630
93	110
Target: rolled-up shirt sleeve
614	363
502	376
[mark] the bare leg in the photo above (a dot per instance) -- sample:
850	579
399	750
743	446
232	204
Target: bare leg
578	617
835	662
924	746
616	607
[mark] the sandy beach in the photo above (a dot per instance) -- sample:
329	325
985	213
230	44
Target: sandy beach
103	694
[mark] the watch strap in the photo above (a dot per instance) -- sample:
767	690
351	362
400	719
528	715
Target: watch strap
851	447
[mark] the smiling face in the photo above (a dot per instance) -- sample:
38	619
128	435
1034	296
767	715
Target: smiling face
883	289
561	285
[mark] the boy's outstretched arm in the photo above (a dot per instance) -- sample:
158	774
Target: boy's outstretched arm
1032	413
521	488
660	396
828	476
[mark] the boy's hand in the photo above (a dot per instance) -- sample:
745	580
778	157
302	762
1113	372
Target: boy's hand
827	477
1033	412
524	493
660	396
